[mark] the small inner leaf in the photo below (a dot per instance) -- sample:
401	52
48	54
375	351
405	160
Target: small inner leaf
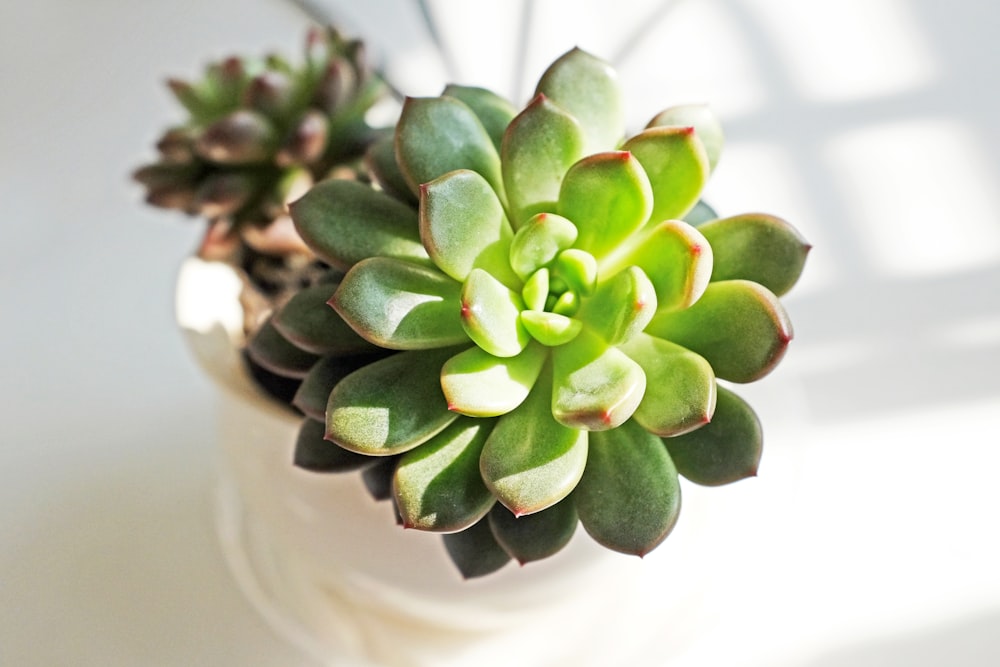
621	307
629	497
539	241
550	329
400	305
536	290
490	315
478	384
578	269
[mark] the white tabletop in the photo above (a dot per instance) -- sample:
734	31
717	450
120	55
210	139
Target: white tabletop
869	538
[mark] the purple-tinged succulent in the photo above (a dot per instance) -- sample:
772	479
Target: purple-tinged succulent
525	334
259	132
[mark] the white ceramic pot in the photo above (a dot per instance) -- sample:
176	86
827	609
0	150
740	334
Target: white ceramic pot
330	568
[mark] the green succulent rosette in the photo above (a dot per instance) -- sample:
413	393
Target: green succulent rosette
525	334
259	132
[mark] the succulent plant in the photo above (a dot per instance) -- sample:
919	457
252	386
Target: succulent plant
259	132
525	334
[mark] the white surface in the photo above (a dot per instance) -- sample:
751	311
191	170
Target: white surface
870	537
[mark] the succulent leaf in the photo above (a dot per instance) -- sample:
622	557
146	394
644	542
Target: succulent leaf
725	450
534	536
608	197
705	123
311	324
381	162
315	453
550	329
539	241
463	226
675	257
493	111
390	406
312	395
737	325
400	305
347	221
587	87
436	135
596	387
758	247
275	353
479	384
475	552
531	461
675	161
437	486
538	147
621	307
680	386
490	315
629	497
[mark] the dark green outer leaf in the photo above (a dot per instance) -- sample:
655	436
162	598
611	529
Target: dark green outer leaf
725	450
758	247
381	162
344	222
392	405
314	392
629	497
737	325
436	135
275	353
315	453
534	536
475	552
378	477
437	486
311	324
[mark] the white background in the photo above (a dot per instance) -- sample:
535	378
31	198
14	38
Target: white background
870	537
